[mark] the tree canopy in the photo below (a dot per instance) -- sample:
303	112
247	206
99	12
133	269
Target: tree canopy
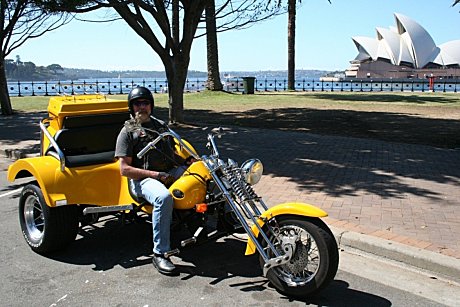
169	28
21	21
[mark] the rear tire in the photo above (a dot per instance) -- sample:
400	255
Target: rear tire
314	263
44	228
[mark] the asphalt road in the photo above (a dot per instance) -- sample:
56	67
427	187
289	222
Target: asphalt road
110	265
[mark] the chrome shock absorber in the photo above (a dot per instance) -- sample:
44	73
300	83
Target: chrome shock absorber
250	191
235	183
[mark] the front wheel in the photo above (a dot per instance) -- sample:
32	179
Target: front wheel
45	229
314	262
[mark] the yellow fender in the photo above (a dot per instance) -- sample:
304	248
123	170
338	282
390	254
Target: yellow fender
301	209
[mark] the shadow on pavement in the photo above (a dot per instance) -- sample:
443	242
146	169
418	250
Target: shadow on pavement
339	166
340	295
21	126
385	126
110	244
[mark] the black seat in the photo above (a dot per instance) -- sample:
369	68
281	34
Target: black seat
89	139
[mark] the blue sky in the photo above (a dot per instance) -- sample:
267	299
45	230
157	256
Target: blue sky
323	38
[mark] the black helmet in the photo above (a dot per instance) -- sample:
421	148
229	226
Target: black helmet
139	93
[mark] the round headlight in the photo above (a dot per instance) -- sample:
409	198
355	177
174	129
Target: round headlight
252	171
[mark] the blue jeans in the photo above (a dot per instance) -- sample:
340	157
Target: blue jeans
158	195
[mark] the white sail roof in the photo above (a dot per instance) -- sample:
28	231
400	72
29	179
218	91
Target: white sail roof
367	47
408	42
450	52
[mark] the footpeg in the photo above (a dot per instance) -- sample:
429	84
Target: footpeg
188	241
193	239
173	252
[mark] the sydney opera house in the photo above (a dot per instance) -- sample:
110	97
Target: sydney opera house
404	51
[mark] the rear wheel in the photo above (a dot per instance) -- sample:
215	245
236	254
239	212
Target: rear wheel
44	228
314	262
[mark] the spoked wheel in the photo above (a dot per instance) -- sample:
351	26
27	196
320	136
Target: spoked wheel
45	229
315	259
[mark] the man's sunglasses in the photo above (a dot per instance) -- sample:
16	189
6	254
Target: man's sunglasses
141	103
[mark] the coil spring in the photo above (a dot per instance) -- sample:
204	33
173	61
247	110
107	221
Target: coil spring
250	190
237	188
242	189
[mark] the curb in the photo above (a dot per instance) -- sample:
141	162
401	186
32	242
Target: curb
13	154
415	257
16	154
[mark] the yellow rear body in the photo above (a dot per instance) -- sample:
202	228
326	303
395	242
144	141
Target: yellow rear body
98	184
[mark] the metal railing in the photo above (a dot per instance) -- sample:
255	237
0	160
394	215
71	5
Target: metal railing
113	86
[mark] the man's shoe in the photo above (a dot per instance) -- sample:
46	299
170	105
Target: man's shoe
163	265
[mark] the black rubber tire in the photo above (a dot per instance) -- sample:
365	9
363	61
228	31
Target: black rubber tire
46	229
328	252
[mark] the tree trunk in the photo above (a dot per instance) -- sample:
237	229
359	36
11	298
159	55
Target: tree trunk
291	43
4	96
177	76
175	53
175	71
214	83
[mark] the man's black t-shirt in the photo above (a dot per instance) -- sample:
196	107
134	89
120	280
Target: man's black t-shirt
130	141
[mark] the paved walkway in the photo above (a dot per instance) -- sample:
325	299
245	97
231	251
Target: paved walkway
403	193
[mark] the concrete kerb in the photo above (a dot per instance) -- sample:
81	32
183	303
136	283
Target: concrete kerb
409	255
15	152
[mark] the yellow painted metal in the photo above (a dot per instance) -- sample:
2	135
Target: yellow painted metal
191	186
62	106
100	185
300	209
180	150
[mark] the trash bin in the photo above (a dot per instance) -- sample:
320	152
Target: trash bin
248	85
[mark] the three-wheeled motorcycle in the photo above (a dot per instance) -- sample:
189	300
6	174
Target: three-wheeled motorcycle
77	178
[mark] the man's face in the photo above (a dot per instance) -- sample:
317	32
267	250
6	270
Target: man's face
142	109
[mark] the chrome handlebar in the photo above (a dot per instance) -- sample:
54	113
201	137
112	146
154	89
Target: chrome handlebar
170	132
211	142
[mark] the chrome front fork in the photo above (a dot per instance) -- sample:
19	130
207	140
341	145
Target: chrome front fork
253	212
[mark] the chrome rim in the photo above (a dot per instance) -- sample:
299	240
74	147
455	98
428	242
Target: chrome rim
34	218
305	262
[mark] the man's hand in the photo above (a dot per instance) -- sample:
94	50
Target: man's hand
165	178
162	176
190	160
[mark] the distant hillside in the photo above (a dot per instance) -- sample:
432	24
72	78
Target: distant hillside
74	73
28	71
264	74
273	74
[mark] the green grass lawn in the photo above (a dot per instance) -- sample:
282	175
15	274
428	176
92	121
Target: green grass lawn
221	101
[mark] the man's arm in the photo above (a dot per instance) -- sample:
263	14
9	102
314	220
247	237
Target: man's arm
127	170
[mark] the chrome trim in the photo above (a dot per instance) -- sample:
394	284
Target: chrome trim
152	144
61	202
242	220
53	143
89	210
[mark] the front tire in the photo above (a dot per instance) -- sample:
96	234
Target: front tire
44	228
314	263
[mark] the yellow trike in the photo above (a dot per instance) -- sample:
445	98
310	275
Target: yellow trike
76	177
